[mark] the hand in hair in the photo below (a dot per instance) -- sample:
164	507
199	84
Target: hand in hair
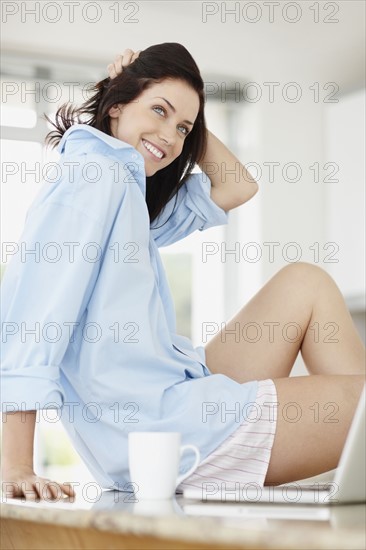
121	61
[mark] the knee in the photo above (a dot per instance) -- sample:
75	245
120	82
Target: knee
306	274
306	271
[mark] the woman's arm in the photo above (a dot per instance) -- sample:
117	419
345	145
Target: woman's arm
17	473
232	185
18	436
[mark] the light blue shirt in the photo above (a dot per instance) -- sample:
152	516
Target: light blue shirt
88	321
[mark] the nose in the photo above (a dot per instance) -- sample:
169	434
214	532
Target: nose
167	135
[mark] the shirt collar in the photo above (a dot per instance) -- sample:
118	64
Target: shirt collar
84	131
85	138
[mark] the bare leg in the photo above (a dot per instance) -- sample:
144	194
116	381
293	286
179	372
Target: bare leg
314	416
300	308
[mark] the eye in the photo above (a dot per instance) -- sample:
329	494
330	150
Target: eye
161	108
186	132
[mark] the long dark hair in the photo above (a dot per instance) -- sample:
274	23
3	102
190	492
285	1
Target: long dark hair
167	60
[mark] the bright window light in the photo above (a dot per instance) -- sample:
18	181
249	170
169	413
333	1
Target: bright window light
18	117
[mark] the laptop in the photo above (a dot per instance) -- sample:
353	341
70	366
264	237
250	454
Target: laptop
347	486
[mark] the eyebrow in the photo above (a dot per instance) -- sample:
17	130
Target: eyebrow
173	109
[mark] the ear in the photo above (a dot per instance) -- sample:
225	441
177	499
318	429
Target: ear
115	111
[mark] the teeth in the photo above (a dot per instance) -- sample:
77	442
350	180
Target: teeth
152	149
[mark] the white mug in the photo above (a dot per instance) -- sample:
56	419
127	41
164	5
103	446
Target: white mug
154	459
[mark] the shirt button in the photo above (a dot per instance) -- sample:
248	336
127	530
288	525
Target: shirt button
134	156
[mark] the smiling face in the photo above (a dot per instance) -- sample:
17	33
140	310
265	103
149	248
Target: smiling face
157	122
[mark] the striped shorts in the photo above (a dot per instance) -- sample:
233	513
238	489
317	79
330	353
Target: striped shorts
243	457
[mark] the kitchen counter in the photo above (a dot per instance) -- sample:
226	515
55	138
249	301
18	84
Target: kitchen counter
113	519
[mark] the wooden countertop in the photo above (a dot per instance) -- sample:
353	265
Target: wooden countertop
113	520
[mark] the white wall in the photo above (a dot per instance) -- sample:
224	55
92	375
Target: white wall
292	211
344	131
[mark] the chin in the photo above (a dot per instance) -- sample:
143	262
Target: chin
150	173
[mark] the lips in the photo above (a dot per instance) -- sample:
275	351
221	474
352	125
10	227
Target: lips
153	149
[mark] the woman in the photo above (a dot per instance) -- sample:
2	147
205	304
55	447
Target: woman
114	363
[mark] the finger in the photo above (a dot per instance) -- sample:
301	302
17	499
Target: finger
31	492
118	65
115	68
68	490
111	71
46	488
135	56
47	492
121	62
55	490
43	490
127	56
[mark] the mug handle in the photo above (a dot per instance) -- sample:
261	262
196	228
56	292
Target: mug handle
196	462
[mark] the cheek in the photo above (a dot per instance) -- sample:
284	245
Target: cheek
178	149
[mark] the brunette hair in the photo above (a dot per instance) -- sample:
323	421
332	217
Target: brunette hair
167	60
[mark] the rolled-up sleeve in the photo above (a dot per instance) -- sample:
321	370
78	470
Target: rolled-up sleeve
191	209
45	289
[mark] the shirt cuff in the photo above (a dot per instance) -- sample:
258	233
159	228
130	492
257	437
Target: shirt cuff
31	388
199	201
